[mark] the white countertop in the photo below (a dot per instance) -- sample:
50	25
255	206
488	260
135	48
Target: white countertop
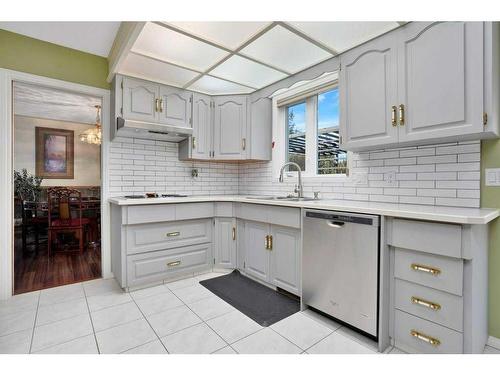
457	215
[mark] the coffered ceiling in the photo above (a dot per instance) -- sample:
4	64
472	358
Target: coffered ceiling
239	57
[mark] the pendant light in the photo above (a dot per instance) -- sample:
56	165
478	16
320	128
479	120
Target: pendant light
93	135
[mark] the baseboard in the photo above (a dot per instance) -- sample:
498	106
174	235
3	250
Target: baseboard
494	342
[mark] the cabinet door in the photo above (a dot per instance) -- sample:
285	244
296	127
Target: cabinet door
259	133
201	142
285	258
440	79
230	127
175	106
368	88
139	100
225	242
256	254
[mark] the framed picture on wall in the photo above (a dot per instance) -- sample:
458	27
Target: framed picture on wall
54	153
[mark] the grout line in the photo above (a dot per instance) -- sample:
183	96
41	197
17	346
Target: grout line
34	322
203	321
147	321
91	320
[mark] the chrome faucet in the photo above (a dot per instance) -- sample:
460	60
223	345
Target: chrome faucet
299	190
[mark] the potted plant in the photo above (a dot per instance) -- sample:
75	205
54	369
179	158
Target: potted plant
27	186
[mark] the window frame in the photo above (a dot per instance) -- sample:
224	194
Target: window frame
280	127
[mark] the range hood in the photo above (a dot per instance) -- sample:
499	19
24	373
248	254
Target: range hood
149	130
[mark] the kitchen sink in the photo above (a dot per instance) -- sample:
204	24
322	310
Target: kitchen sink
284	198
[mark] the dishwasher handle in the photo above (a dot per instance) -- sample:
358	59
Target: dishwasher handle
335	224
340	218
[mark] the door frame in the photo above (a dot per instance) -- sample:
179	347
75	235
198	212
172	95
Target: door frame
7	77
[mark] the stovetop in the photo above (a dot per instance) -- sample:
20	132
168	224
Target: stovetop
154	195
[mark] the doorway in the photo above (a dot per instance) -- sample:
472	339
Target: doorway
57	187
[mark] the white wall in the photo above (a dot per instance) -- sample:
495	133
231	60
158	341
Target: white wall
87	166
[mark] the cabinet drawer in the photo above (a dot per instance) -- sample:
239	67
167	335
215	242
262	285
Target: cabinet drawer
186	211
407	327
159	265
150	213
435	238
284	216
142	238
431	304
430	270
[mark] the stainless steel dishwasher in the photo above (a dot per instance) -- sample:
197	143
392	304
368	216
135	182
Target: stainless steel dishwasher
340	254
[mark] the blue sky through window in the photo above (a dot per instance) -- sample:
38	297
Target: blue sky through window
328	109
297	122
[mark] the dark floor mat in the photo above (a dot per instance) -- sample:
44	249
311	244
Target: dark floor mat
260	303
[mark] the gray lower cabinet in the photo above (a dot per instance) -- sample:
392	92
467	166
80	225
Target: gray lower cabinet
225	243
272	254
285	258
256	253
152	243
439	283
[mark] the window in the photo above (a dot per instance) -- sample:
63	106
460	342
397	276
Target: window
331	159
296	134
312	132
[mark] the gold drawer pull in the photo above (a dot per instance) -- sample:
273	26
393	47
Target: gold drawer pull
270	242
428	339
173	234
422	268
267	242
401	115
172	264
234	233
423	302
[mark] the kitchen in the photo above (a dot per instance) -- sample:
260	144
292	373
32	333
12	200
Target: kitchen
256	200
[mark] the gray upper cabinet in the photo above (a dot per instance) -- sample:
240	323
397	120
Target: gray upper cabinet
259	133
139	100
427	82
199	146
368	84
230	127
440	79
175	106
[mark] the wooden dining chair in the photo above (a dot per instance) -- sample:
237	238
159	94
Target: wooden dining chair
34	220
65	215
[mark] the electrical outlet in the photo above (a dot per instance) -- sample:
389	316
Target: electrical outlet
390	177
492	176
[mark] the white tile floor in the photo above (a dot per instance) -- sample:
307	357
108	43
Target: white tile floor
178	317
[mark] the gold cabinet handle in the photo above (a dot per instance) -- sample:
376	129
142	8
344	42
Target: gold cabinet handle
422	302
234	233
267	243
161	105
194	142
173	234
427	269
428	339
394	121
173	264
244	144
401	115
157	105
271	242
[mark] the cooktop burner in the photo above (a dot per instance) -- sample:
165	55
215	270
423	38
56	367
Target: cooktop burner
154	195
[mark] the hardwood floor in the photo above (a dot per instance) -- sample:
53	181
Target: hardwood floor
35	272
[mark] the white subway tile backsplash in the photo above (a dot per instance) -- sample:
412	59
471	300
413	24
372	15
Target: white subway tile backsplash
431	175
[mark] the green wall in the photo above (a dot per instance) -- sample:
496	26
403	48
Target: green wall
21	53
490	197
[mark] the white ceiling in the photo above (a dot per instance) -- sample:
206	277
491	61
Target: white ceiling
48	103
92	37
239	57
